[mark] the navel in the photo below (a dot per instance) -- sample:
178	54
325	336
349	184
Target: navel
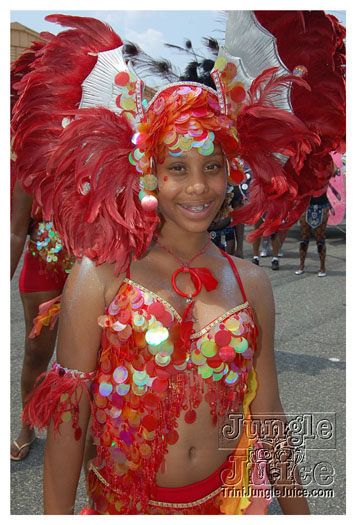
192	453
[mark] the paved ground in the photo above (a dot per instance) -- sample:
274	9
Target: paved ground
310	356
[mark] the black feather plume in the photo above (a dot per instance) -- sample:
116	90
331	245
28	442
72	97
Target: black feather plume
212	44
131	50
207	65
146	66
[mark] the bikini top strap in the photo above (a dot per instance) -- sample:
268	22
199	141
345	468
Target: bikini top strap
236	273
128	272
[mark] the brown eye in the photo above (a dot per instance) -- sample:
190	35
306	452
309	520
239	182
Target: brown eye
177	168
214	166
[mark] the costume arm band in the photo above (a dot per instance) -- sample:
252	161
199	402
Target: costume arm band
56	397
48	314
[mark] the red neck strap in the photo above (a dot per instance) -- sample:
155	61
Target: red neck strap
236	273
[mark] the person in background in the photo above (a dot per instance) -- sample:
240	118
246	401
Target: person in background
43	274
314	219
275	247
229	238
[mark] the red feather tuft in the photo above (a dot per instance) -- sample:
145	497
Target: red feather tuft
264	129
20	68
50	92
314	40
54	394
107	223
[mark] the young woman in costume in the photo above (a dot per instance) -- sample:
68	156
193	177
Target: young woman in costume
43	274
44	271
164	339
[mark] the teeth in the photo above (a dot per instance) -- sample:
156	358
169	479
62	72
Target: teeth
196	208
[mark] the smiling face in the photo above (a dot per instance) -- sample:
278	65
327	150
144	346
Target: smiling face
191	189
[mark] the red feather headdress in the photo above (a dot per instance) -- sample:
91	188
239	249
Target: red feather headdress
77	157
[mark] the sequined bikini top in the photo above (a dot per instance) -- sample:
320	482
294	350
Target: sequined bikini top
146	378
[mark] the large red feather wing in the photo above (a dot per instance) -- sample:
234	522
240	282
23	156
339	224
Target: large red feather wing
316	41
96	206
49	93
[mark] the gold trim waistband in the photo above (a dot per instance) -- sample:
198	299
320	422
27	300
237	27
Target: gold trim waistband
154	503
188	505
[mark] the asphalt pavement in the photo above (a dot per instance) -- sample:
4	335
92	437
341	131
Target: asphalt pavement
310	356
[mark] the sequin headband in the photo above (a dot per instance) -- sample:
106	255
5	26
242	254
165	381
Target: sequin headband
183	115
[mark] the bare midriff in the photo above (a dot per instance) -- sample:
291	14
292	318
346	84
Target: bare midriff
199	452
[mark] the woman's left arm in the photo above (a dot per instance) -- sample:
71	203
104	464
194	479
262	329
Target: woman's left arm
267	404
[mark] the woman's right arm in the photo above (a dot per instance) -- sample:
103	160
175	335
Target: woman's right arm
82	302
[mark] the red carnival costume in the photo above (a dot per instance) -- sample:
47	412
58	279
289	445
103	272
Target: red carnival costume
46	264
83	170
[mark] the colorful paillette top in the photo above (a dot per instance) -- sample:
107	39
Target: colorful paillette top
146	377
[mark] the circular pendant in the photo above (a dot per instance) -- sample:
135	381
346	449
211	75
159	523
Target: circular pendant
197	282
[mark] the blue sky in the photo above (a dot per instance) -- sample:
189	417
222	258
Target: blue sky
150	29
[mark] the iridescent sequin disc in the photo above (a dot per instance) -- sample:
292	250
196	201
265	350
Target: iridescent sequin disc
232	324
209	348
140	378
239	343
120	374
123	389
105	389
155	336
162	359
